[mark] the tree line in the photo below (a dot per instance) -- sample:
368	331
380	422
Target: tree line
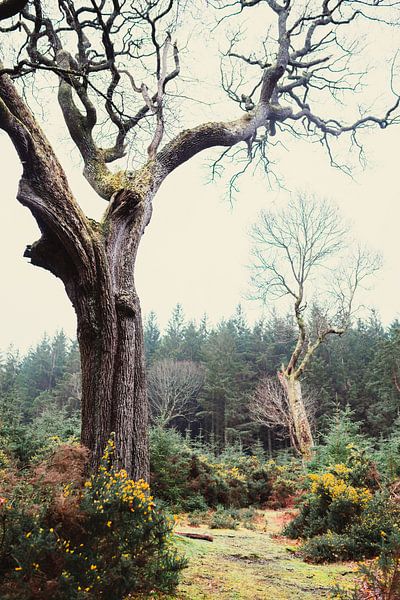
203	380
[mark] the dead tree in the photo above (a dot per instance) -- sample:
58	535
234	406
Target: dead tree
291	248
116	66
269	406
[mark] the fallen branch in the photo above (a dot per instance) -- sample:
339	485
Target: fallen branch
196	536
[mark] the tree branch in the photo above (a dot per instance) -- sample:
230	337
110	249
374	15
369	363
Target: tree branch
44	188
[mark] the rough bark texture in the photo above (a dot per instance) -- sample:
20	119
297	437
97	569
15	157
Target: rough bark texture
96	262
110	336
303	439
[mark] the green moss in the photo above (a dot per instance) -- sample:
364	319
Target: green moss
253	565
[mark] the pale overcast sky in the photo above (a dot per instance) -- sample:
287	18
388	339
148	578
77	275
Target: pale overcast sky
196	248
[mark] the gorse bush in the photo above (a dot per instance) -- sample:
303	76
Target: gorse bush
378	579
191	477
341	517
331	505
76	539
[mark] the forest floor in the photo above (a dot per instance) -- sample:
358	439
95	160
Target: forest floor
253	564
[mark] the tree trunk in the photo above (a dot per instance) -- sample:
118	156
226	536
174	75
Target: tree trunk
114	384
109	328
110	335
303	440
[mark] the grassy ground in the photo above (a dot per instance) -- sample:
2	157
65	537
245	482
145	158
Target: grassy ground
253	565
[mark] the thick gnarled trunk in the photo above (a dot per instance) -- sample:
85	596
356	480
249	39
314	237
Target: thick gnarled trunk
114	387
110	336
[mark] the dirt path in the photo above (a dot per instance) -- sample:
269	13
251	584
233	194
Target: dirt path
253	565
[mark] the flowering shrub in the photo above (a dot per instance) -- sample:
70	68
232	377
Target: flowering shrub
332	504
101	538
192	479
340	520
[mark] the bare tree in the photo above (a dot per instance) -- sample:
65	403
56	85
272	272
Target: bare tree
173	388
116	66
269	406
292	246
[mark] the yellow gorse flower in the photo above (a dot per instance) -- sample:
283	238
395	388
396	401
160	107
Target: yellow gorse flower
335	485
115	484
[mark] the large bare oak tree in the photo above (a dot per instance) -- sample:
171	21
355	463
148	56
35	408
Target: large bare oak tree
116	66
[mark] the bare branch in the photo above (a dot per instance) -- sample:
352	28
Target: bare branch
269	406
173	388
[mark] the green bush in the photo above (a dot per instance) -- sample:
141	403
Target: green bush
331	505
224	519
99	538
388	457
170	464
328	547
342	437
197	517
34	441
190	477
360	538
378	579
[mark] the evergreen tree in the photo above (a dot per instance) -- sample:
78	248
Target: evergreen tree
151	337
172	342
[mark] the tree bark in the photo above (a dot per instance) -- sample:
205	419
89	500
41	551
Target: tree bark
110	333
110	336
302	436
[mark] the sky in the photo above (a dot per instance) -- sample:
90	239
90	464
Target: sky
196	250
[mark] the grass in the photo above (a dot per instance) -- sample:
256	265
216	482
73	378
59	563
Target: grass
254	564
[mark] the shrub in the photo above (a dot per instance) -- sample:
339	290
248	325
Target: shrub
332	504
361	538
388	456
70	539
247	517
37	439
378	579
342	436
343	515
197	517
224	519
170	463
328	547
287	481
218	482
192	478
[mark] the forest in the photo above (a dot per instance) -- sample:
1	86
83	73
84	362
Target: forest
219	456
214	372
213	463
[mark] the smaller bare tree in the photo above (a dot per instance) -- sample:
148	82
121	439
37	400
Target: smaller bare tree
269	406
295	247
173	387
